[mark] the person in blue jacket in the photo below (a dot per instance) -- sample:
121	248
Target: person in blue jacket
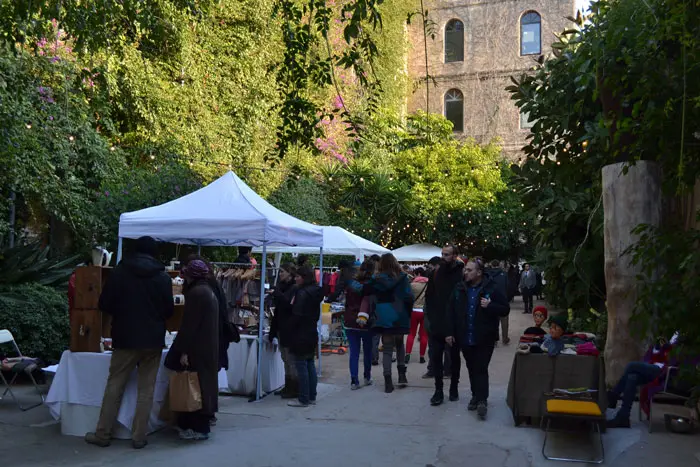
475	309
394	305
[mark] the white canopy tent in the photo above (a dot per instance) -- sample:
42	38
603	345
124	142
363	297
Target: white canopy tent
227	212
417	252
336	241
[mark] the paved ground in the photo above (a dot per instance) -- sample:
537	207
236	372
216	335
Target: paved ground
360	428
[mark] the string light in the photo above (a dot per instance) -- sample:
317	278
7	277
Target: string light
153	157
29	125
71	138
114	149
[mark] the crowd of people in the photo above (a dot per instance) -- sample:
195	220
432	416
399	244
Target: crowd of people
454	306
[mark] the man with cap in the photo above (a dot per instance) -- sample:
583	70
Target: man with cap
139	297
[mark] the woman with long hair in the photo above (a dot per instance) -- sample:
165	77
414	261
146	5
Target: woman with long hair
303	335
394	303
419	284
282	298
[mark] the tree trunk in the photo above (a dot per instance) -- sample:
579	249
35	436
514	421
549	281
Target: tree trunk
628	200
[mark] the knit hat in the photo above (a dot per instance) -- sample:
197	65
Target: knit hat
196	269
540	309
146	246
560	320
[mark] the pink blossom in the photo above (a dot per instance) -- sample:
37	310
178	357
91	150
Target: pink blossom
338	102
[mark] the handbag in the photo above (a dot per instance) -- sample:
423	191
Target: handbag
185	392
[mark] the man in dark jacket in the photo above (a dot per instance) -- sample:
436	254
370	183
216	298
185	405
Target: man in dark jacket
139	296
440	287
475	308
498	274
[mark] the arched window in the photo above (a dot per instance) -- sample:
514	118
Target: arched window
454	109
454	41
531	34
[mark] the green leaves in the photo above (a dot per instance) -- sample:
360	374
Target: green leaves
30	263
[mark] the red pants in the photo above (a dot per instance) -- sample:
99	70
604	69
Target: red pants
417	318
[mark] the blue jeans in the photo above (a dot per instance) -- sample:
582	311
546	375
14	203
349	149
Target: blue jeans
636	374
356	338
306	372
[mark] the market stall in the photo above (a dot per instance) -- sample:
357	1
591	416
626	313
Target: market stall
420	252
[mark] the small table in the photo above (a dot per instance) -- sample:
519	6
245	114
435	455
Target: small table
75	397
243	367
535	374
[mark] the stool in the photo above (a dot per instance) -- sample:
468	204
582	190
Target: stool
573	410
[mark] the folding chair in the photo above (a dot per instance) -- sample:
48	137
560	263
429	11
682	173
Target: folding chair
670	389
25	365
573	411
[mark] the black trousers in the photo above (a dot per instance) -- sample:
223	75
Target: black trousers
478	358
196	421
527	299
438	347
446	355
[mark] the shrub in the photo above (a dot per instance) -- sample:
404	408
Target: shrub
37	316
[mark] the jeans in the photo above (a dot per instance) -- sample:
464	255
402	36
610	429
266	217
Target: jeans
478	358
438	347
356	338
504	329
417	319
393	342
306	372
121	366
527	299
290	369
636	374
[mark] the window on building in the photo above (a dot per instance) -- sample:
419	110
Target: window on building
525	122
454	109
531	34
454	41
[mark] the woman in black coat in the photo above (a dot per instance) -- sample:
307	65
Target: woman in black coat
196	348
303	335
282	298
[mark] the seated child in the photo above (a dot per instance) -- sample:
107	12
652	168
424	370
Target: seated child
553	342
539	314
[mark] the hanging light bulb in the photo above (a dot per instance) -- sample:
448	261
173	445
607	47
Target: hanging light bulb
362	179
112	148
71	138
330	179
449	215
505	211
29	125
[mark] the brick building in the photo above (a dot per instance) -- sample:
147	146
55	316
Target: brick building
478	46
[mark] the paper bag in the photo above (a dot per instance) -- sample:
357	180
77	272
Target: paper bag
185	394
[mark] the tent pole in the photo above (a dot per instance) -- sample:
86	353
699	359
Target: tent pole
263	272
119	250
199	250
320	318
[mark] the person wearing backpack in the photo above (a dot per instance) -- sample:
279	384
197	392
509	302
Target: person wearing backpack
418	287
394	304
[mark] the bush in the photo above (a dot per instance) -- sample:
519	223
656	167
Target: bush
37	316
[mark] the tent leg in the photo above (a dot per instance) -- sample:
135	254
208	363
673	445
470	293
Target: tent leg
261	323
278	263
119	250
199	250
320	318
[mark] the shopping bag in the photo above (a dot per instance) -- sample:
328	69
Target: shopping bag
185	393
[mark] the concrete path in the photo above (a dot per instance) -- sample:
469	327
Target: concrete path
347	428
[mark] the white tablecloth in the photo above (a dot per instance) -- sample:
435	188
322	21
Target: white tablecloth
76	394
243	367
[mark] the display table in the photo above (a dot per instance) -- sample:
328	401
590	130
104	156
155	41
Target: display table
243	367
76	395
534	374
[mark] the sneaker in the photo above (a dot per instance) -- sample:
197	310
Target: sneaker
313	402
428	375
354	386
186	434
407	359
92	438
368	382
506	341
139	444
296	403
438	398
422	359
481	410
472	405
196	436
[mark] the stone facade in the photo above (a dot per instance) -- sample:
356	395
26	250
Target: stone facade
492	55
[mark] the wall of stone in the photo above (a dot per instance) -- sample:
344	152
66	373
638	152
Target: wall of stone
491	57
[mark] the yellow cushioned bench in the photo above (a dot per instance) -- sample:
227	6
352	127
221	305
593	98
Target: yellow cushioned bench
563	406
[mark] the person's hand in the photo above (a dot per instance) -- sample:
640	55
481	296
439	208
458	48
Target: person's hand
485	302
450	340
184	361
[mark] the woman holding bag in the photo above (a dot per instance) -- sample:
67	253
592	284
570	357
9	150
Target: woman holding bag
196	349
358	310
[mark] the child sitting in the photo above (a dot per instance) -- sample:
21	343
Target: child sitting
553	342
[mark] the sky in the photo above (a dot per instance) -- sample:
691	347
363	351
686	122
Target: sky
582	4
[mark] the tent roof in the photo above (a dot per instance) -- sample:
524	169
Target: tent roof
336	241
225	212
417	252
